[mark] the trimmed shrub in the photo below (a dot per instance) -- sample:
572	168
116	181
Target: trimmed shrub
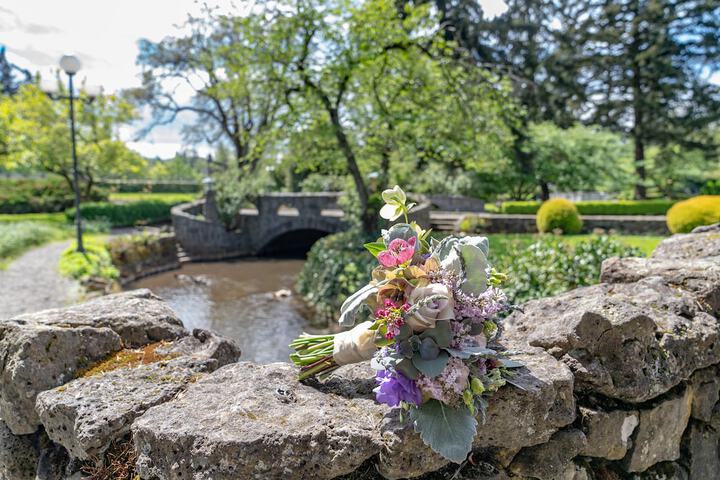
599	207
40	196
151	186
694	212
471	224
142	212
549	266
337	266
559	214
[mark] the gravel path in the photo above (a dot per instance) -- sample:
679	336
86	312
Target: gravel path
32	282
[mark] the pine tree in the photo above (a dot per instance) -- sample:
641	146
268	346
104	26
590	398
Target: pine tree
645	72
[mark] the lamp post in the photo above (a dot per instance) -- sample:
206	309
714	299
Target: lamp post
71	65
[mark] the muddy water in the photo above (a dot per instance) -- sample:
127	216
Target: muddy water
238	299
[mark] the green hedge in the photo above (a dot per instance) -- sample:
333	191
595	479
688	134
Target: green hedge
126	214
151	186
599	207
40	195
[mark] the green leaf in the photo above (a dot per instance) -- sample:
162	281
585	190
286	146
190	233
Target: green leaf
431	368
407	368
448	431
355	302
442	333
374	248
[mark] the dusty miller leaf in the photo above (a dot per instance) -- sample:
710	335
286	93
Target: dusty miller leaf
448	431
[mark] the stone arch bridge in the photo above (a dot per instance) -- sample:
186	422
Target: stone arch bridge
280	223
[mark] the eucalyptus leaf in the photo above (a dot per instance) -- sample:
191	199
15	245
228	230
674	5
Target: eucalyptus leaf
431	368
448	431
474	264
407	368
403	231
429	350
442	333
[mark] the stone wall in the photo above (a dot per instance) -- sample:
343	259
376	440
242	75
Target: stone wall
621	381
138	256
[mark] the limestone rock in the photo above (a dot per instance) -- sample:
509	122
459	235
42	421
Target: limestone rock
700	451
44	350
630	341
702	243
657	438
18	455
87	414
705	385
256	421
526	413
663	471
550	461
701	277
607	433
35	357
139	317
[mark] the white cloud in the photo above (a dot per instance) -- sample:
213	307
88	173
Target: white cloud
493	8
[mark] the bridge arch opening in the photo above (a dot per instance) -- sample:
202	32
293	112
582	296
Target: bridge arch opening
292	244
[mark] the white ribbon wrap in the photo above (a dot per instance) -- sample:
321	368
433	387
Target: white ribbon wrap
354	345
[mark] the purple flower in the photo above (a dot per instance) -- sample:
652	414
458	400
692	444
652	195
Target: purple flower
394	387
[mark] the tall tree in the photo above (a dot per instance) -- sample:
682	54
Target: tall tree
39	135
645	68
220	73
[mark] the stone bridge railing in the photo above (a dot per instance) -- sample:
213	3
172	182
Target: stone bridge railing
204	237
621	381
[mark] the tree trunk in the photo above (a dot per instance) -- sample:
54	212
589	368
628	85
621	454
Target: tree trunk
367	218
640	189
544	190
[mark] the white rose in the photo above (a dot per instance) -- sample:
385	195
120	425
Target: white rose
429	313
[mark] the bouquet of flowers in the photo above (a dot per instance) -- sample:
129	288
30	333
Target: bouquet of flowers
431	307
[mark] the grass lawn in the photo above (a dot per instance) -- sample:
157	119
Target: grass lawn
502	244
166	197
57	218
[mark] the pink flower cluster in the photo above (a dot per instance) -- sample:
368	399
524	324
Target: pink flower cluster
398	252
449	385
393	315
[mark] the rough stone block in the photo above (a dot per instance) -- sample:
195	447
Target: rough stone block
607	433
139	317
703	243
630	341
18	455
44	350
700	277
700	451
705	385
551	460
658	435
87	414
256	421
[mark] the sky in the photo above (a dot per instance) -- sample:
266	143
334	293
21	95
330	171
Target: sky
104	35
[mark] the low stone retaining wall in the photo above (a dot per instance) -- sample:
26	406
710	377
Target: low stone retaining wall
138	256
621	381
628	224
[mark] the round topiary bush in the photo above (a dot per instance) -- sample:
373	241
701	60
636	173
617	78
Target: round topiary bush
694	212
558	214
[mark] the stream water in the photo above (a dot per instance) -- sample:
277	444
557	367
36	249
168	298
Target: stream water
245	300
